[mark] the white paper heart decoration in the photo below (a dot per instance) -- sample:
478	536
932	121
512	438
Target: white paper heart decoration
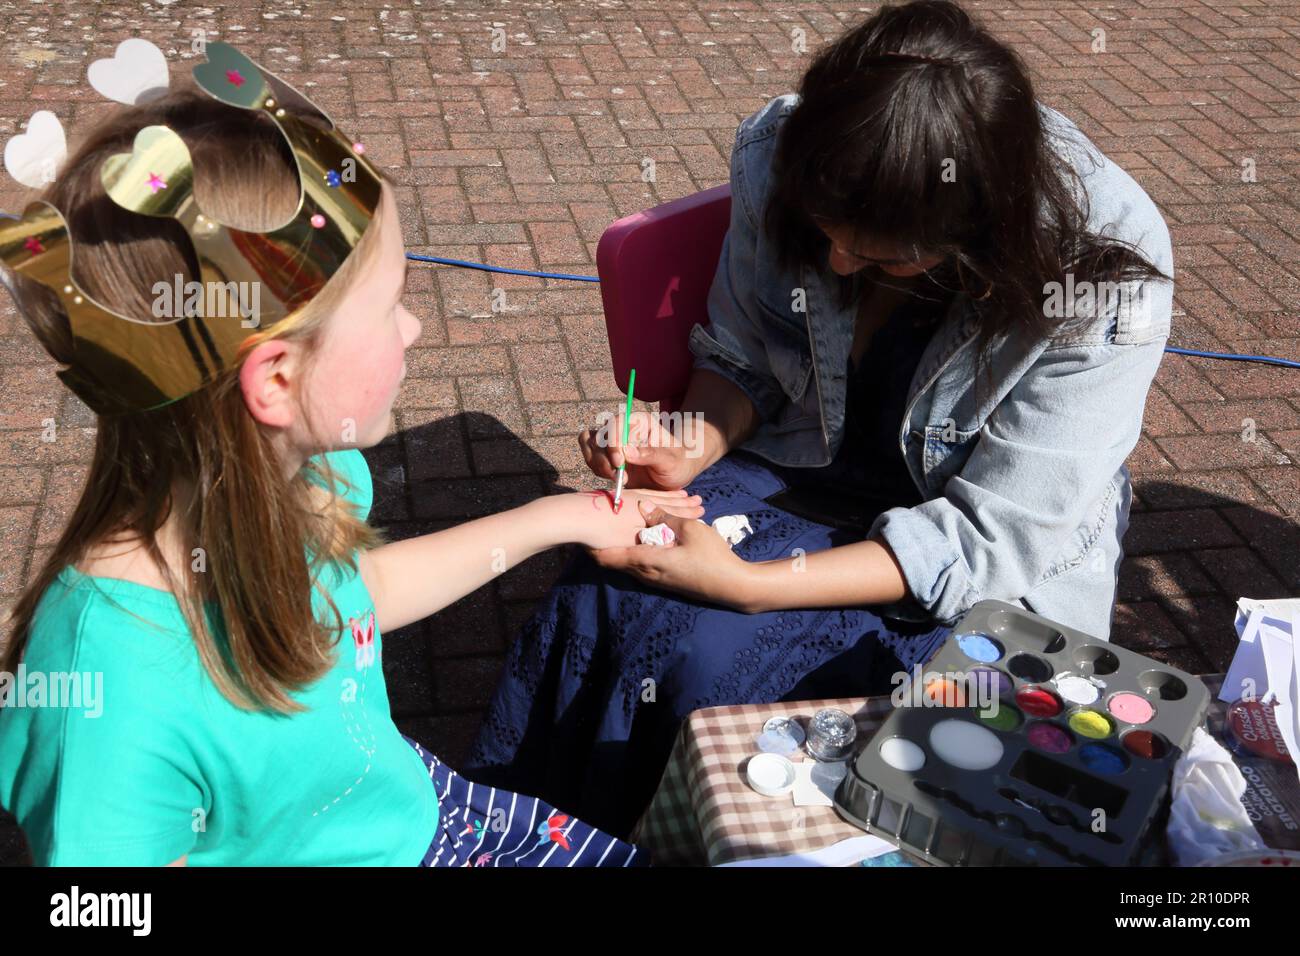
34	157
136	72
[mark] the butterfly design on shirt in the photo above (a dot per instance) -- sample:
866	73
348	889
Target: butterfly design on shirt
549	829
364	639
356	723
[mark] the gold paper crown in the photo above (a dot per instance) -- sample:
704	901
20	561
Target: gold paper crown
121	363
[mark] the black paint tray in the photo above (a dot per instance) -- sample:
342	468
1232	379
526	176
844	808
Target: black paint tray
1087	785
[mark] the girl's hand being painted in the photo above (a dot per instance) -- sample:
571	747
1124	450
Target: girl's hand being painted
597	526
699	564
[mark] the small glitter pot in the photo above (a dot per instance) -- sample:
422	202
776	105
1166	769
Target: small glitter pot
831	734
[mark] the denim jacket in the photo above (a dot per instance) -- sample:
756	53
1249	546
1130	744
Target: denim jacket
1026	495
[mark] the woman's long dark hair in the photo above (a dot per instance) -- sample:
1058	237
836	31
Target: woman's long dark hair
919	129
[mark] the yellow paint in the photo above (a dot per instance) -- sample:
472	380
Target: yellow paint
1089	723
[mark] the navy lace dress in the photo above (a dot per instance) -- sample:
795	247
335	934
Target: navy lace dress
596	686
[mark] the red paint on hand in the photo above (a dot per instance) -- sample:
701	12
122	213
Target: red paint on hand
597	496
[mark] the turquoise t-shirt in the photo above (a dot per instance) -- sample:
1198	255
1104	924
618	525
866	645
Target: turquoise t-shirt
140	760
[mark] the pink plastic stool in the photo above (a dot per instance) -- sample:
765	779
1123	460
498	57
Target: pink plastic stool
656	268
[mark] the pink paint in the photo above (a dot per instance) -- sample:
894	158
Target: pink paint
1131	708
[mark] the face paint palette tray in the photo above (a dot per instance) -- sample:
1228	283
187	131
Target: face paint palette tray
1024	742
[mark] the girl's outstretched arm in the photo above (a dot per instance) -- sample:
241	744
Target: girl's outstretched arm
409	580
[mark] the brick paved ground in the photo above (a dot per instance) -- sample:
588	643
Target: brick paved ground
522	156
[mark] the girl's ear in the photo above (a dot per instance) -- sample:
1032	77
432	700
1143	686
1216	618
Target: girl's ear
267	381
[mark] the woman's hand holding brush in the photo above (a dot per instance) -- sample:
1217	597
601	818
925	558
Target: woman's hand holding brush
655	457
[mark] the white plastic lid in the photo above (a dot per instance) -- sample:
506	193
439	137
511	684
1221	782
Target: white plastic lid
770	774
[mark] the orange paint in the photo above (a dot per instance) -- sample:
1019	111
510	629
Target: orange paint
945	693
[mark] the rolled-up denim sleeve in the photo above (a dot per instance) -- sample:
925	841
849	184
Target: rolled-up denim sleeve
1043	458
733	344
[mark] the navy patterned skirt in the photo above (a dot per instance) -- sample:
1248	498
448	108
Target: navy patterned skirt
597	684
482	826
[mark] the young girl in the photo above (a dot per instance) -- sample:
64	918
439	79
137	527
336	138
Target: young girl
217	578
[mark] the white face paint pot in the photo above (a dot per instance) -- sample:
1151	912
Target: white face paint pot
964	745
902	754
1077	690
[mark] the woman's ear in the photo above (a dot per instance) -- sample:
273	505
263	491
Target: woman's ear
267	379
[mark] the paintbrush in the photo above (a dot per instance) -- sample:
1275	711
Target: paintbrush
622	469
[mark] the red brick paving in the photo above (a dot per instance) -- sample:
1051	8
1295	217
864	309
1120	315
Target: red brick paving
522	157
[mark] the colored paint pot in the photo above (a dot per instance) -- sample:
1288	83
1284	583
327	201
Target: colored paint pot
944	692
1091	724
992	679
1038	702
979	647
999	716
1048	737
1131	708
1029	668
1102	759
1144	743
1077	690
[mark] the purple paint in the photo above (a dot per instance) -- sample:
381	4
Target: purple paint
1048	737
993	678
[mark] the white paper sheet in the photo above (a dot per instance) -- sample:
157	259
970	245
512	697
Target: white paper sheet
1280	611
808	792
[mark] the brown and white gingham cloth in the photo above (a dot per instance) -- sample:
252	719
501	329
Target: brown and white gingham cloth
705	812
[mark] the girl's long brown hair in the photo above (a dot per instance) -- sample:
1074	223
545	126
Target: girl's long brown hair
258	637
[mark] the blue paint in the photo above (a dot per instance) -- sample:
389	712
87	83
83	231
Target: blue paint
978	647
1102	759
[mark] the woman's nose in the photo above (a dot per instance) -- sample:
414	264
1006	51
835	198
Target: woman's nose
841	263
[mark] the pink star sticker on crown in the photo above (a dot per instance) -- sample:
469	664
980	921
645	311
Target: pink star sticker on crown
33	245
156	183
234	78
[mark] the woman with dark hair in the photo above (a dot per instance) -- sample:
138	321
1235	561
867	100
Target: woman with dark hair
934	323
